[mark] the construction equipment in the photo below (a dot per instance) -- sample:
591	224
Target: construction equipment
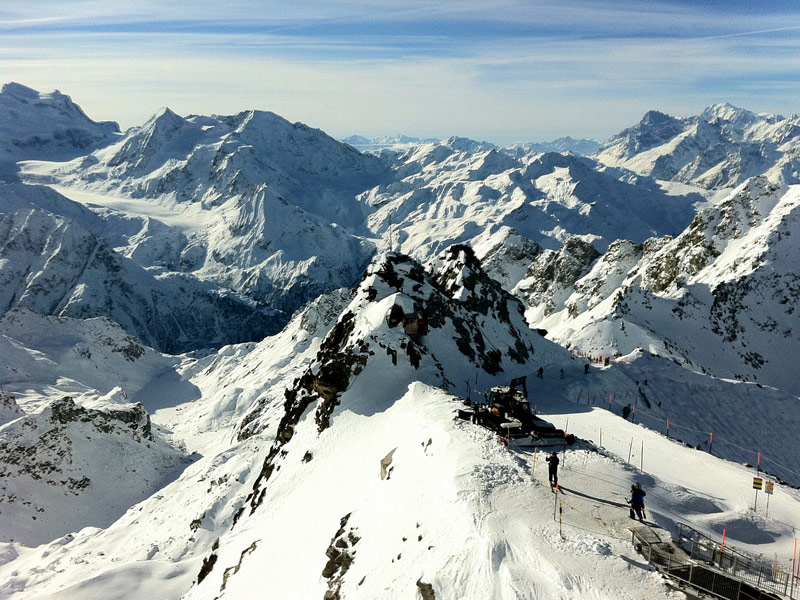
508	412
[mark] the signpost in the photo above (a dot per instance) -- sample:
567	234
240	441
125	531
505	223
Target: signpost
768	491
757	481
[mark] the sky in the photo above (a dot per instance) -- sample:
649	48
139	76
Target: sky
501	71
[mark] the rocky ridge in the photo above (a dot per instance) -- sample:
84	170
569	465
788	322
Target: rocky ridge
720	148
54	467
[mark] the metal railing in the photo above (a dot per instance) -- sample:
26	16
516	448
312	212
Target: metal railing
727	574
763	575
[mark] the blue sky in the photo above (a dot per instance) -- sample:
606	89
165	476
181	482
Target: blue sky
501	71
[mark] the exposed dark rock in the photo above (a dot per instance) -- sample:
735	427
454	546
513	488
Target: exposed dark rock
208	565
426	590
340	555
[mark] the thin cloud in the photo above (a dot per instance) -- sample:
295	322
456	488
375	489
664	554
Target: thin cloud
532	70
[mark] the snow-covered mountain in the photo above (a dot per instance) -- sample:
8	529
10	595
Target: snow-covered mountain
326	460
720	297
60	130
721	147
390	142
68	467
404	142
445	194
267	207
281	212
561	145
455	514
54	266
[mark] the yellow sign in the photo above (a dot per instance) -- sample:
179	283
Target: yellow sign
768	487
757	483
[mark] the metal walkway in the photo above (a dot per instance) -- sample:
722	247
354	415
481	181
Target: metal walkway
698	561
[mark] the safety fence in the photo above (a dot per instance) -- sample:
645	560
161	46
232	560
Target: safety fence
702	563
753	576
631	405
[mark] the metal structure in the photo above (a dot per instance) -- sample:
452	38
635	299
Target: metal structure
507	411
699	562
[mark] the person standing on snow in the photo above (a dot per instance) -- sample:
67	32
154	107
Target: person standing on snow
637	502
552	471
540	373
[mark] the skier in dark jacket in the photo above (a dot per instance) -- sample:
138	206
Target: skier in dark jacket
637	502
552	471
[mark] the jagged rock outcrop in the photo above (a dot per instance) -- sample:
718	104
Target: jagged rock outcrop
70	466
553	273
9	409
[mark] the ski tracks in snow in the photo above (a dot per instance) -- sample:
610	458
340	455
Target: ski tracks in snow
523	553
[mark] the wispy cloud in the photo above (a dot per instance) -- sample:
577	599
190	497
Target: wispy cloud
528	69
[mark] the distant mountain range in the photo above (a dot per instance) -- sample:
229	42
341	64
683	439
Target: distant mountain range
400	142
279	213
719	148
214	378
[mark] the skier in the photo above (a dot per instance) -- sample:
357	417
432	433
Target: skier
540	373
637	502
552	471
562	373
586	369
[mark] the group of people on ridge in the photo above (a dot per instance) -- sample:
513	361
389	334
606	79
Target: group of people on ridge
636	500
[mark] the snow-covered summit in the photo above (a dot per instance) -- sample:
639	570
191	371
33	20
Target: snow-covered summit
718	297
719	148
47	126
470	320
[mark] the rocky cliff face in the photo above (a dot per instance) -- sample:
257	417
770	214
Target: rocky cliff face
70	466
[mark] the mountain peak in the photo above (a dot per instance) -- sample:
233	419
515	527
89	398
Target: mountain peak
655	117
463	144
724	111
47	126
164	117
20	91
